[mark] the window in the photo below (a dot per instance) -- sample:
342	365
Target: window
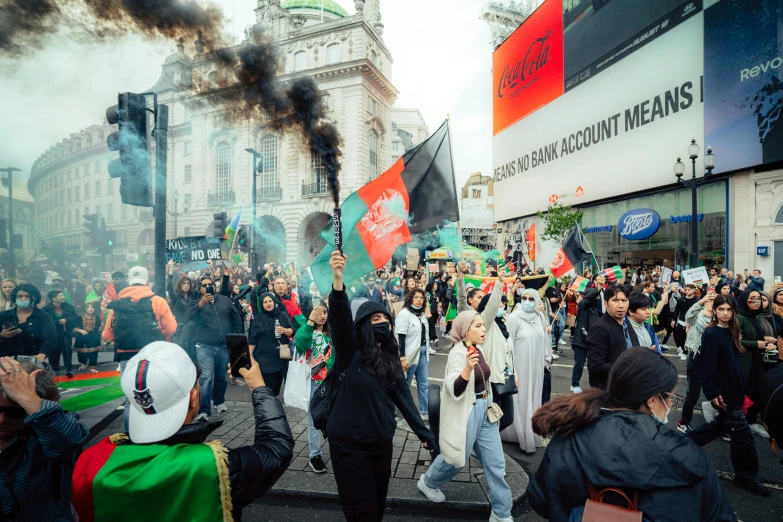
98	210
86	191
110	186
779	216
373	106
328	102
87	169
76	216
374	57
188	173
317	175
223	121
177	75
223	169
373	139
69	196
187	231
97	188
123	211
268	178
110	212
187	114
69	220
97	166
188	147
300	61
87	140
188	199
68	176
212	78
333	54
476	193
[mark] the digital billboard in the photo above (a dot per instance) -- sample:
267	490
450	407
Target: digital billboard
527	69
743	89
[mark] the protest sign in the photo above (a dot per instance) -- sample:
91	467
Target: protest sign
696	276
666	277
185	250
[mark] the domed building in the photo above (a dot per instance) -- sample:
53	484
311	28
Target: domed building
209	170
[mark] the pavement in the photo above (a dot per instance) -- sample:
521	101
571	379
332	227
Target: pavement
301	493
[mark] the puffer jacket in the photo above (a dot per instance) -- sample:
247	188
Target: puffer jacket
631	451
588	312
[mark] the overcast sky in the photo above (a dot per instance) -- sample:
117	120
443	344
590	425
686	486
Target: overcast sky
442	64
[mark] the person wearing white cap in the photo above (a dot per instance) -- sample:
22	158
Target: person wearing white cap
176	474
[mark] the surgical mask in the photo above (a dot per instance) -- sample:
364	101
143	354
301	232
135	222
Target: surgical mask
381	331
665	416
528	306
416	307
23	303
500	313
520	291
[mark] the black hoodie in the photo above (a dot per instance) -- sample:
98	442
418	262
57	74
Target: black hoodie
630	451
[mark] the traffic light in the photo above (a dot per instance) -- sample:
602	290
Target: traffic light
94	229
242	238
133	165
220	224
108	241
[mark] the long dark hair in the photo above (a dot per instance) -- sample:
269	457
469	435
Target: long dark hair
178	287
734	326
382	360
409	300
637	375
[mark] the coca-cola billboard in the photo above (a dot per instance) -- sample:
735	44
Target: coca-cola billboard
527	69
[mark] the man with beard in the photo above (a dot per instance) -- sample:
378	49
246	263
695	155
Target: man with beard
112	292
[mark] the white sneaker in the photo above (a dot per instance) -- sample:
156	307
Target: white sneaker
576	389
435	495
709	411
425	416
683	356
436	341
759	430
221	408
201	417
561	342
555	357
494	518
431	351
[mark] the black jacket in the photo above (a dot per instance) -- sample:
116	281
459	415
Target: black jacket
605	342
38	334
215	320
181	307
683	305
630	451
68	313
362	417
588	311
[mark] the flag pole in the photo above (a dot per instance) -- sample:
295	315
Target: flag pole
588	244
451	152
234	240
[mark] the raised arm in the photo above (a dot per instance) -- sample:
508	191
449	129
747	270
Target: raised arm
462	297
340	318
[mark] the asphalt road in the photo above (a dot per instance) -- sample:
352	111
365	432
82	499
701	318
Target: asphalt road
595	33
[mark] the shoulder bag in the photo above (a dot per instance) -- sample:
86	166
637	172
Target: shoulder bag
323	399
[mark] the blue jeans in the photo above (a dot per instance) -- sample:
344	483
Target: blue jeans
483	437
314	439
126	404
559	327
420	370
213	362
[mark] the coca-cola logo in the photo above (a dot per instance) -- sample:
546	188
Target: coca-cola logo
535	58
639	224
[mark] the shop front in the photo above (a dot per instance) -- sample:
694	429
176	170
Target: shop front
655	229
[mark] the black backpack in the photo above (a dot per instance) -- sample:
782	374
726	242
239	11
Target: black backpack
323	399
134	324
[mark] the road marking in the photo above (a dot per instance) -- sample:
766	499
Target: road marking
571	366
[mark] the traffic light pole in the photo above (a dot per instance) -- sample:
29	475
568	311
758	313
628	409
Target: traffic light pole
161	186
10	256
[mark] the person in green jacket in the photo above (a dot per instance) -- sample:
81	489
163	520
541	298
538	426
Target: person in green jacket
314	342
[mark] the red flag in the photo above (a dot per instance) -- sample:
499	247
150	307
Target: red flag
570	254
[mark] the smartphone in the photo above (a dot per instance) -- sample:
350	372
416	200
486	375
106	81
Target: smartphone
710	289
238	353
210	290
9	325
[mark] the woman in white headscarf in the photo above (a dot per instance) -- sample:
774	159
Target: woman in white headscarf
527	328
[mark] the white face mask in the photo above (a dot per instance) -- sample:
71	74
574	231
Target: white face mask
528	306
665	416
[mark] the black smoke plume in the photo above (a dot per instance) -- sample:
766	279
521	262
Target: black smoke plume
297	105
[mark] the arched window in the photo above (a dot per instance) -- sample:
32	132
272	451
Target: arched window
333	54
267	180
213	80
779	216
223	169
300	61
373	139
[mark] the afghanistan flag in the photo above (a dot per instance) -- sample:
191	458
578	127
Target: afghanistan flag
579	284
232	228
416	194
612	274
570	254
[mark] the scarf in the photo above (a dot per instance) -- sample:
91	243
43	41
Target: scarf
534	315
760	319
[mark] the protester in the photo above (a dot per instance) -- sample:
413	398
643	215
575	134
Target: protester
754	281
27	330
361	296
167	452
113	290
367	353
39	444
433	302
313	341
214	316
78	293
678	317
638	318
465	422
609	337
527	328
270	330
637	452
57	285
290	305
183	298
666	316
63	315
725	386
777	301
698	318
6	287
555	296
412	331
588	312
136	319
87	336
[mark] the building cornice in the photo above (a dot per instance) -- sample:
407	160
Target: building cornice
67	159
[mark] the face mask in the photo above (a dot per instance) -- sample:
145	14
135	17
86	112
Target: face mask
520	291
381	331
415	307
528	306
23	303
665	416
500	313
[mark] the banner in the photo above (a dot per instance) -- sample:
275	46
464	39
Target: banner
695	276
666	277
185	250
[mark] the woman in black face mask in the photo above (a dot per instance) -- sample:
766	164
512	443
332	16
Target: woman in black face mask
361	424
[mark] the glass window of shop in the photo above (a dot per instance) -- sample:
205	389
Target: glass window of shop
671	244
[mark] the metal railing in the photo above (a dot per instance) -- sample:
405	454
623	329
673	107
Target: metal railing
221	198
269	194
314	189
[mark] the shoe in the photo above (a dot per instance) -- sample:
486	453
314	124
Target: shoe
70	376
425	416
435	495
82	367
202	417
679	350
664	348
576	389
431	351
436	341
221	408
684	427
555	357
317	464
561	342
119	367
759	430
754	486
683	357
726	438
494	518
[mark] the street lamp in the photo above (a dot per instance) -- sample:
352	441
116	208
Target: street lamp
257	168
694	183
10	256
176	214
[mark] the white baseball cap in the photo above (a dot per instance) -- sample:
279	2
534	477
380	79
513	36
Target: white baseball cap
138	275
157	383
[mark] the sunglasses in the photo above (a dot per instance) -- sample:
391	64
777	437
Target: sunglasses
527	298
207	285
13	412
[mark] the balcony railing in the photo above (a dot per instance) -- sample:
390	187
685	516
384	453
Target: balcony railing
314	189
221	198
269	194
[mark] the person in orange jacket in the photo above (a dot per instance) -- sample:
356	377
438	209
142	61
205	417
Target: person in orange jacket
125	342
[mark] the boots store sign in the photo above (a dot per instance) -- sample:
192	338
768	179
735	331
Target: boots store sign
638	224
